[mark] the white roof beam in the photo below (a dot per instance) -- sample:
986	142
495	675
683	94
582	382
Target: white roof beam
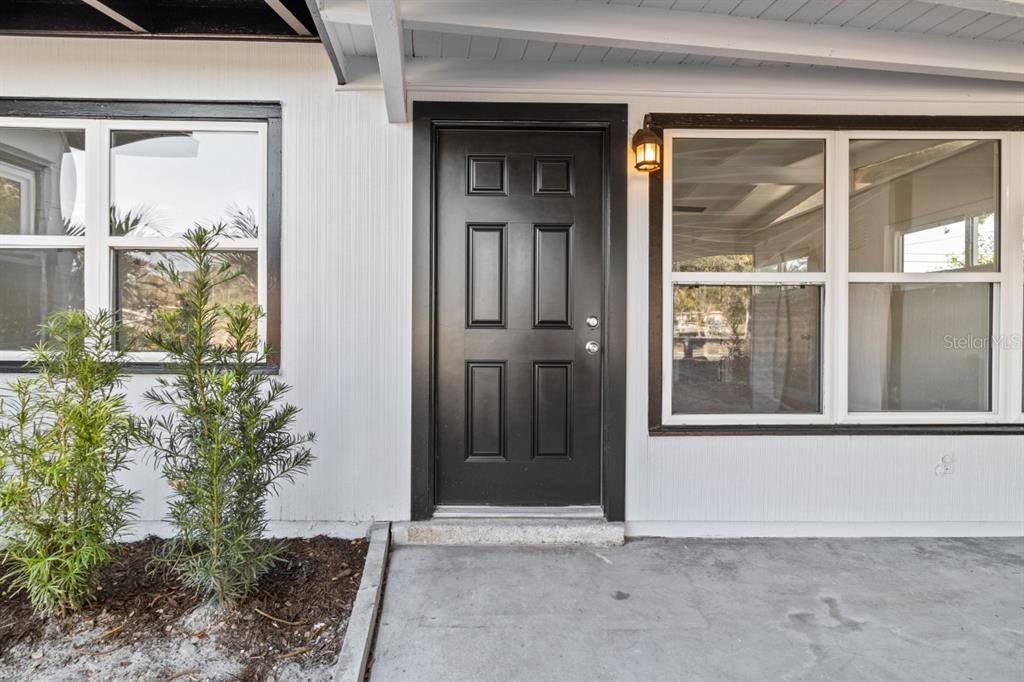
642	28
288	17
387	39
116	16
327	31
1011	8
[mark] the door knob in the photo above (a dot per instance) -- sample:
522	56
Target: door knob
592	347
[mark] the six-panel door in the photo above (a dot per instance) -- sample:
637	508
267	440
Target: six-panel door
519	272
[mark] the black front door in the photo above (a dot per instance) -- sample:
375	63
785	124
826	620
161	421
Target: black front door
518	322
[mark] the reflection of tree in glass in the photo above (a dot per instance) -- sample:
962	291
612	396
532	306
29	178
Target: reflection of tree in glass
145	289
144	221
241	222
73	229
986	254
720	263
131	221
984	247
711	306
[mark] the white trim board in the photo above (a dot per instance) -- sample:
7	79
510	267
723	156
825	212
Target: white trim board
618	81
823	529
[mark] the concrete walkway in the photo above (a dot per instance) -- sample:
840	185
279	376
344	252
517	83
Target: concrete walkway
920	609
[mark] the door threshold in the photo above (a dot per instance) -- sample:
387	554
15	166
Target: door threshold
458	511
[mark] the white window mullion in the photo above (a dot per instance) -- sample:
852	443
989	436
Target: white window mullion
1011	347
667	305
927	277
261	269
96	217
831	332
840	276
755	279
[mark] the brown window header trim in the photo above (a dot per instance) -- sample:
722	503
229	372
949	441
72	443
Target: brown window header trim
836	122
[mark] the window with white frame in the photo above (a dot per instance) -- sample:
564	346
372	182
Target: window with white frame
833	277
90	207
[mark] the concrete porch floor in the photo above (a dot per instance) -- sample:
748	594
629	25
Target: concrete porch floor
771	609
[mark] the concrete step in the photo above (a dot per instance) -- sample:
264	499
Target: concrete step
508	531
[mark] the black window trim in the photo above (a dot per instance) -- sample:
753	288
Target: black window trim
175	110
659	122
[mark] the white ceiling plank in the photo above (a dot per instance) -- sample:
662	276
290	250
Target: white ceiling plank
1012	8
750	8
362	39
930	19
670	58
875	12
903	16
455	45
387	38
427	43
781	10
483	47
813	11
720	6
538	51
116	16
611	26
511	49
983	25
591	54
690	5
1004	30
288	18
842	12
960	20
565	52
645	57
618	55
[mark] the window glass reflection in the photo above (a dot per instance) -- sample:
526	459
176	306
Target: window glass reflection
164	183
748	205
42	182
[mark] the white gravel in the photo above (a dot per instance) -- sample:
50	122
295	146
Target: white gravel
180	655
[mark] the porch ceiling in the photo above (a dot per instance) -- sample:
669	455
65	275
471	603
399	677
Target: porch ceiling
960	38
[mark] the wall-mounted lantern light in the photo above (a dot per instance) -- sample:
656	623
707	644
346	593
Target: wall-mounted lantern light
646	149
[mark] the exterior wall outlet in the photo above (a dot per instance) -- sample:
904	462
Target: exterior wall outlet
945	467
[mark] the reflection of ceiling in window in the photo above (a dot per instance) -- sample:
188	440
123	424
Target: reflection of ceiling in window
753	196
876	161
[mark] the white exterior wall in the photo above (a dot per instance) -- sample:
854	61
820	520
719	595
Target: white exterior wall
346	298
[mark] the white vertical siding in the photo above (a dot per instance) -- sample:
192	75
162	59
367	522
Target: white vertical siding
346	303
345	295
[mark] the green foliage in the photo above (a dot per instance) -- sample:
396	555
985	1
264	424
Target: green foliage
223	437
65	432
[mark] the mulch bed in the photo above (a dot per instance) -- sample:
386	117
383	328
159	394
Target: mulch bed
294	613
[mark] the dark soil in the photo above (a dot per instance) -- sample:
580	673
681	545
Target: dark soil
296	612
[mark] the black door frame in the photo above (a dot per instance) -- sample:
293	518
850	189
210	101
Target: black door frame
610	119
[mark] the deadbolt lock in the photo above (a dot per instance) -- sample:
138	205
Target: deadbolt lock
592	347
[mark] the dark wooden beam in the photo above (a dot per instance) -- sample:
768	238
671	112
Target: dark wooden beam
836	122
